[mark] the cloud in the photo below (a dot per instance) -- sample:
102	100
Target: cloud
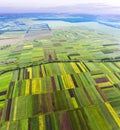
75	6
52	3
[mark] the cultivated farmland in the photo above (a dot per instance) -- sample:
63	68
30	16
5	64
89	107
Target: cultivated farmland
67	80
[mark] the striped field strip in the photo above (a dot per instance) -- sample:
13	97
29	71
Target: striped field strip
110	79
74	102
41	123
43	71
115	116
62	68
75	67
70	81
36	86
40	86
82	67
27	87
33	86
8	126
63	80
67	81
106	84
106	67
15	109
30	72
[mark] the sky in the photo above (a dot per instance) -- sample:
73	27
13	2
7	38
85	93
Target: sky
52	3
32	5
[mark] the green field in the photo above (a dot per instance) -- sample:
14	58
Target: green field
68	81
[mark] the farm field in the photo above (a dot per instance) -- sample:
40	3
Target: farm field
62	79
